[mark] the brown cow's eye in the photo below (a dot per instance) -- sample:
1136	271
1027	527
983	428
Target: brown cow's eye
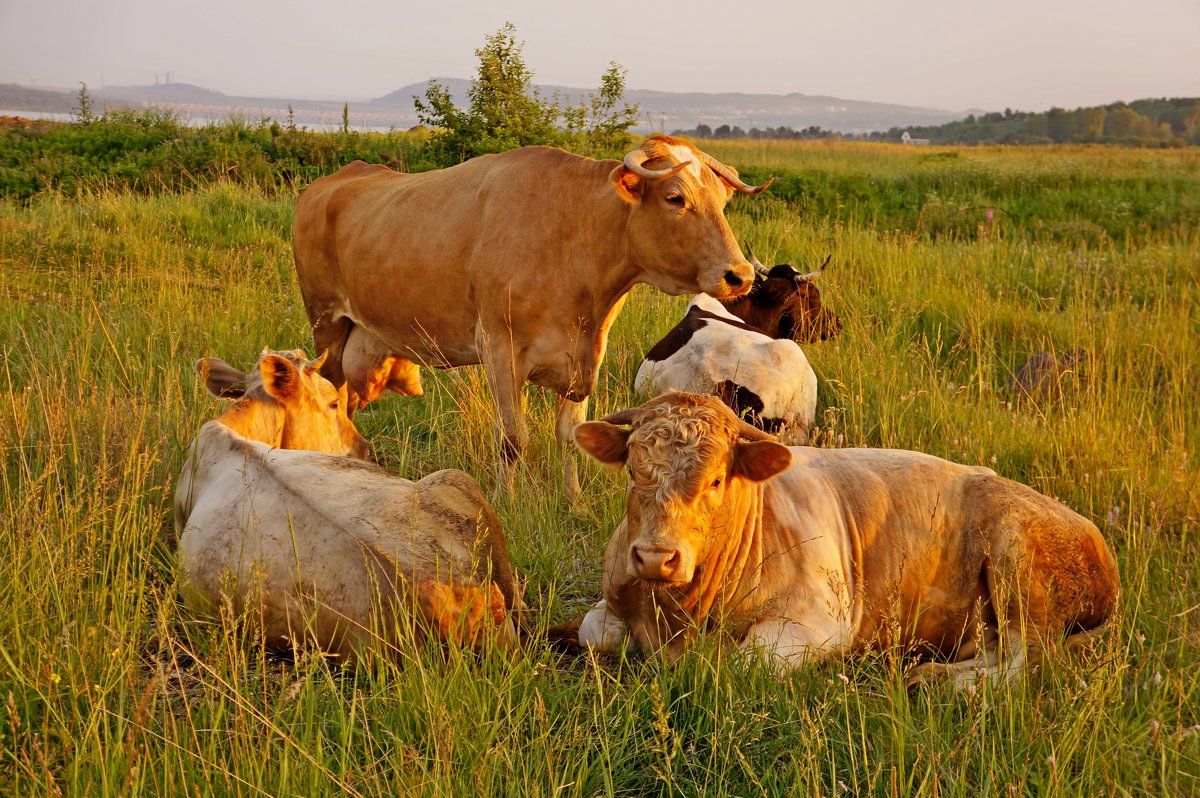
675	199
334	406
716	483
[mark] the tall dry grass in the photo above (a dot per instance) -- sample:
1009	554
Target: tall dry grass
109	687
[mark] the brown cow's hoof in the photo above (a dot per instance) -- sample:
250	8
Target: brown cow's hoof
927	676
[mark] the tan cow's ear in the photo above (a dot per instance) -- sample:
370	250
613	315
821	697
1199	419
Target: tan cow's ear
760	460
627	184
221	379
603	441
279	376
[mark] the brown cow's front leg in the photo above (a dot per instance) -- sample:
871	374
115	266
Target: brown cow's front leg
570	415
505	378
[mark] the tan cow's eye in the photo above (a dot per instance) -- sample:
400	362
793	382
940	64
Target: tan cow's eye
334	405
716	483
675	199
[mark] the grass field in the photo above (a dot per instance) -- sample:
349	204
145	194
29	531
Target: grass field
109	687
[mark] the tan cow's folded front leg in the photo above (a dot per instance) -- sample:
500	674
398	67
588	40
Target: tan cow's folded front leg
605	631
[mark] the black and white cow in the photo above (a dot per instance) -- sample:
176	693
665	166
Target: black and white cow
767	381
747	351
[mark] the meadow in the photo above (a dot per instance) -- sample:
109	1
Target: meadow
109	293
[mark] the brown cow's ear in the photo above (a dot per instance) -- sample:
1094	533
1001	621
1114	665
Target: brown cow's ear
279	376
603	441
760	460
221	379
627	184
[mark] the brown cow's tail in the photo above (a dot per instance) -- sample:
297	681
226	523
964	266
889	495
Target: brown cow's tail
564	637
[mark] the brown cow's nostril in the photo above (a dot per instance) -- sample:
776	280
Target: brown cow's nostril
733	279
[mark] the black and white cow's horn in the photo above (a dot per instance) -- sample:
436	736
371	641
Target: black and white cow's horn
759	269
804	278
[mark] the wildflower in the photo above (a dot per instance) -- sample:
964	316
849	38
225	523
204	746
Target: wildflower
55	679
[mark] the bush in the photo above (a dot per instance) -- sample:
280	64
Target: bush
150	150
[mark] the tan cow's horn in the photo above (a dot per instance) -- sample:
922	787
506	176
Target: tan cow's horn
312	365
635	159
804	278
732	179
623	418
759	269
748	431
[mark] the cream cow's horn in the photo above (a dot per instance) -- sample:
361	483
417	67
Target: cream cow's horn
748	431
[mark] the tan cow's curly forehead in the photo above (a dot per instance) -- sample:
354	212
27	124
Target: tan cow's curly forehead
673	444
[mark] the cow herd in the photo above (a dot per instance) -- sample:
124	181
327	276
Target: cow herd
521	262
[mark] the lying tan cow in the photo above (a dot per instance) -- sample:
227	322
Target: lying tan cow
808	553
321	548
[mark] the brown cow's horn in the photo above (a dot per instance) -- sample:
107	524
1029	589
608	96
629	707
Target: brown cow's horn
749	432
312	365
804	278
621	419
732	179
635	159
759	269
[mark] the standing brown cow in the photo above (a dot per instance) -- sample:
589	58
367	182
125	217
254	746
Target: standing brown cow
519	261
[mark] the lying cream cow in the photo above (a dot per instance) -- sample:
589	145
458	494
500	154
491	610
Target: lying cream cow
807	553
320	548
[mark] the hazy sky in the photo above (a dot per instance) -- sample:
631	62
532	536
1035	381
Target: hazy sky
950	54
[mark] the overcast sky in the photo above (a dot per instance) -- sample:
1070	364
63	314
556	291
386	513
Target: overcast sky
948	54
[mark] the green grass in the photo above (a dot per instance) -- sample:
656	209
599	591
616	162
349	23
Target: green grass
109	687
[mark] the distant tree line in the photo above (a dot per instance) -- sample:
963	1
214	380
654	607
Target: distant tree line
1152	122
1148	123
783	132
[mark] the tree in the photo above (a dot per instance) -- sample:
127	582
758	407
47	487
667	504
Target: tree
83	106
606	117
1091	125
505	110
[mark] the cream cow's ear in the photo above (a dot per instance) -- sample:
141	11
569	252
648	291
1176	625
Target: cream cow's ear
280	377
221	379
603	441
758	461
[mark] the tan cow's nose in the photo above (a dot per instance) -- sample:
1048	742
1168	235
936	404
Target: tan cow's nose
657	565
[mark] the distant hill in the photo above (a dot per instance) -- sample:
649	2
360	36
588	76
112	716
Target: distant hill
22	98
165	92
1150	121
662	110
